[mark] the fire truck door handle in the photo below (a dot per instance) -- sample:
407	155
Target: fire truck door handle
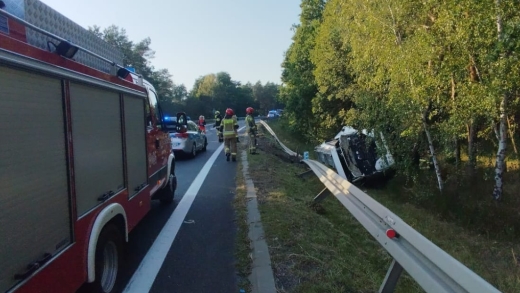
140	186
156	143
31	268
106	196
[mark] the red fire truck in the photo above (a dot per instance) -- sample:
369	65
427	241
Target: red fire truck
83	152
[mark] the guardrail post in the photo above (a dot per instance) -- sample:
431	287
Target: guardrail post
322	195
392	276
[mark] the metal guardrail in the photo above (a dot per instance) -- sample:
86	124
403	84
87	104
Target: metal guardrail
285	148
431	267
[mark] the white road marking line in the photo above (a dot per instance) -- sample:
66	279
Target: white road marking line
145	275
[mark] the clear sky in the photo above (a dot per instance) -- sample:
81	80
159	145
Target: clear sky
191	38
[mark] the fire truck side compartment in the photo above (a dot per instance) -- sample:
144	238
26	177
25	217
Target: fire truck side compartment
98	152
34	206
134	108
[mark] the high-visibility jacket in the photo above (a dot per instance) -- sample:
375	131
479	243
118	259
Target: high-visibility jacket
235	120
250	122
218	119
228	127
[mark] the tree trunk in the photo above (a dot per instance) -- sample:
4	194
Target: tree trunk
501	153
512	135
502	131
472	137
457	151
455	139
432	152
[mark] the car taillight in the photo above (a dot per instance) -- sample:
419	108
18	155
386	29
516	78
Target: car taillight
182	135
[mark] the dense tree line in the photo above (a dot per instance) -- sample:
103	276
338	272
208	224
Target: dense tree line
433	76
209	93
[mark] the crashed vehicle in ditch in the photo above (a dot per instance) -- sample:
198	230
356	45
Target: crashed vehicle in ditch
356	155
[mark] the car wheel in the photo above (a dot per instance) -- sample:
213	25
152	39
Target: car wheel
193	151
205	146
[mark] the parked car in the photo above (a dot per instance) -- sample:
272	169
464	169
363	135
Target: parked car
190	142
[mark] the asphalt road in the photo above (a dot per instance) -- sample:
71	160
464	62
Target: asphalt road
201	256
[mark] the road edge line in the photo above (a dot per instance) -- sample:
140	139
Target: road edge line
262	276
144	276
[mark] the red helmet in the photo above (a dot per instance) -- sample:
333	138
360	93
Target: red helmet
230	112
249	110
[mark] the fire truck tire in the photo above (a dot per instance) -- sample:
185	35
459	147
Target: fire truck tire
167	194
109	259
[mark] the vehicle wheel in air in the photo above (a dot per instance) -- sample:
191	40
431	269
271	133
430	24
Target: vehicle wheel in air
205	147
109	257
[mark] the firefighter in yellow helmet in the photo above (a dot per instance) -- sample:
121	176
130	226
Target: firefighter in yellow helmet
218	120
229	128
251	129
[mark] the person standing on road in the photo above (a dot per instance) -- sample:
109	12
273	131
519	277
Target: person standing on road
229	129
235	119
218	120
202	124
251	129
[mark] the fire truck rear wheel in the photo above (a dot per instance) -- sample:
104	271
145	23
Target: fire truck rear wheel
109	256
168	192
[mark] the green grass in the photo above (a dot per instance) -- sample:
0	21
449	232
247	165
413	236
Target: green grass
295	142
242	243
327	250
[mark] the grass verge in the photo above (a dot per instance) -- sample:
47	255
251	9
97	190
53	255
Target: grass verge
325	249
243	249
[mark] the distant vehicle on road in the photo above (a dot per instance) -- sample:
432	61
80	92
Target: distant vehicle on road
190	142
272	114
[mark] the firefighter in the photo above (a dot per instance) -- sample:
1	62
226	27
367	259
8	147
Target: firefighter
202	124
229	127
218	119
235	119
251	129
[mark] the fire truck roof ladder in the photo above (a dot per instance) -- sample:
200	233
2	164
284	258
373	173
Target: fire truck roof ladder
68	49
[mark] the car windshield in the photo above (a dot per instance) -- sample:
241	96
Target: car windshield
171	123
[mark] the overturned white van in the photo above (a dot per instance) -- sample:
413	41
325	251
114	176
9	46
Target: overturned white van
354	154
